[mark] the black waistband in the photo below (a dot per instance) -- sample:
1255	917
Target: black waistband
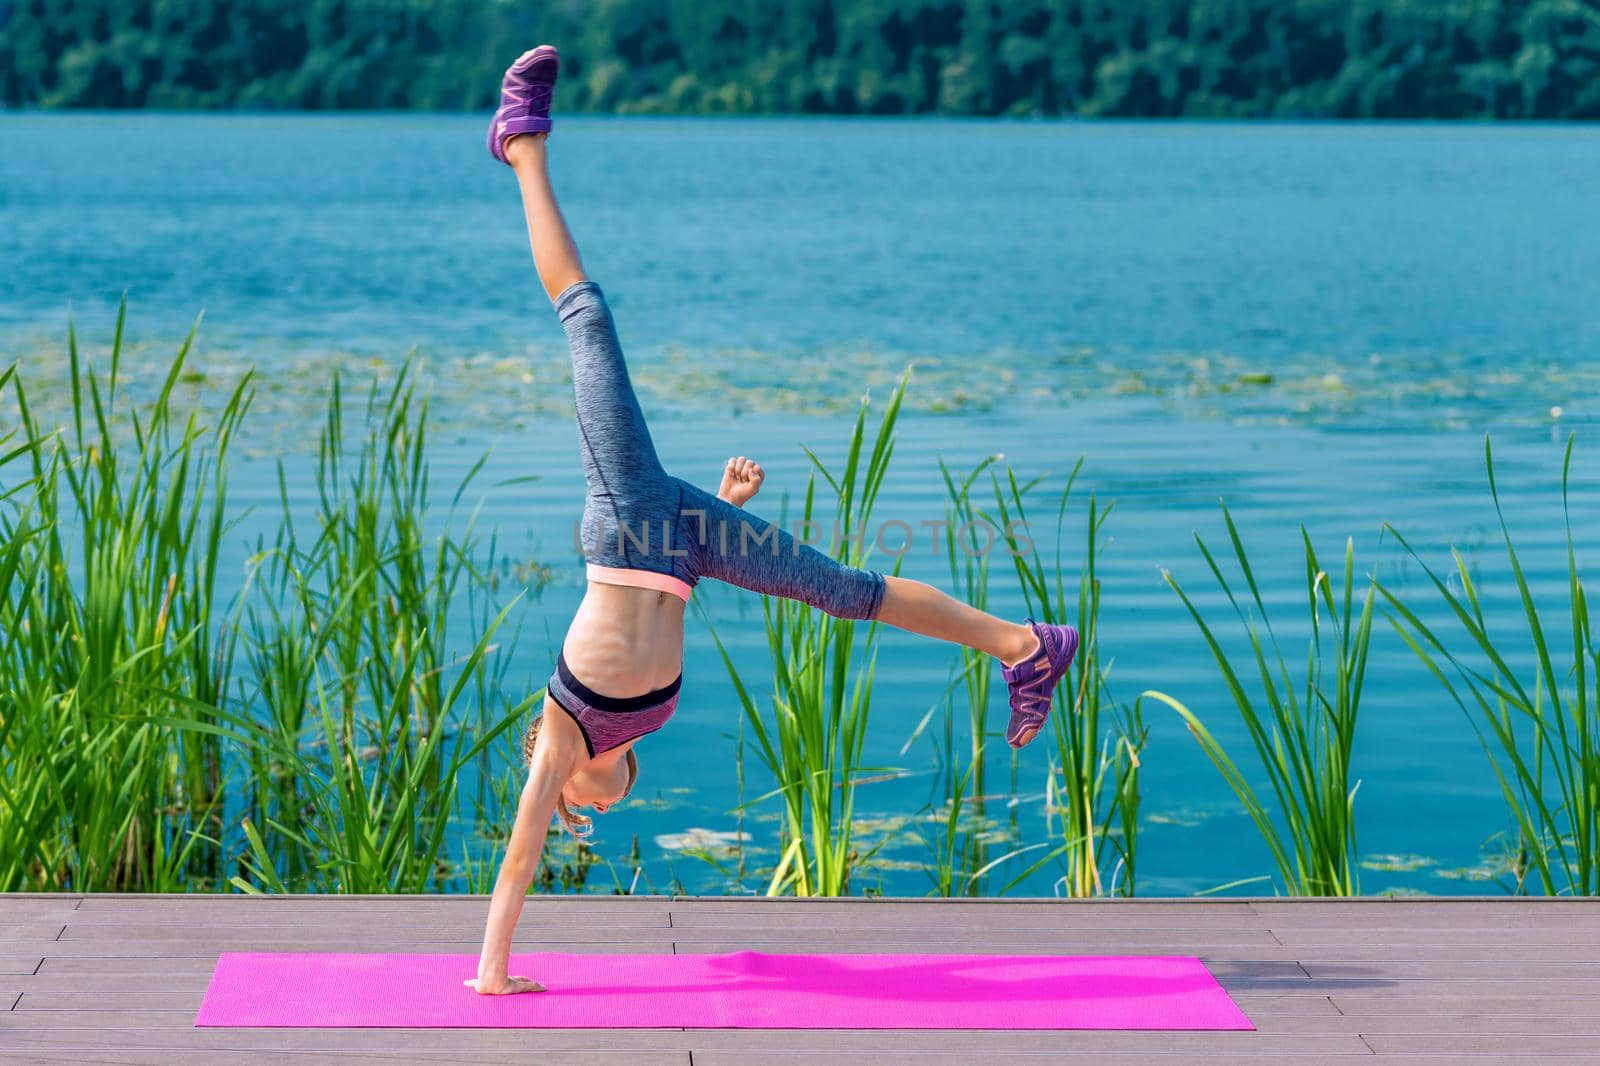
614	703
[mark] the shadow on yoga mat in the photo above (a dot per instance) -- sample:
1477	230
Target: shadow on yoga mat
742	990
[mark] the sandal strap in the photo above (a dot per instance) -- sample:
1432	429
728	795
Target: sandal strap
524	124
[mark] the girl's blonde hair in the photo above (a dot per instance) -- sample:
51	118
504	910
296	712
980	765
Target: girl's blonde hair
580	826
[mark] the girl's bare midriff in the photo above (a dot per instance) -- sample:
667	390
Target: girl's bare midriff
626	641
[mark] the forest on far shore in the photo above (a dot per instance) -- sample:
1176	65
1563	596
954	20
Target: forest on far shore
1446	59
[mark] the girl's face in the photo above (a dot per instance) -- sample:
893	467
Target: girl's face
597	787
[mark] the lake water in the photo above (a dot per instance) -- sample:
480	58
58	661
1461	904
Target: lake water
1316	323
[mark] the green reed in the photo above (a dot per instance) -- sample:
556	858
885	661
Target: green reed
1302	730
138	749
113	525
366	721
1092	792
968	552
958	833
961	835
822	685
959	838
1540	724
960	846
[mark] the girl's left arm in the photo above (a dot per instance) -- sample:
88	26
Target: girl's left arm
523	851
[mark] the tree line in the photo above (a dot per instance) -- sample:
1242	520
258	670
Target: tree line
1446	59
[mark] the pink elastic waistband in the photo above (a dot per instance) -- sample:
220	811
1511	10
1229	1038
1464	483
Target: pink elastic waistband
639	579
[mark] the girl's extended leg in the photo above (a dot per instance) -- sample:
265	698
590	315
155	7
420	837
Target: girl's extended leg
920	608
742	549
1035	656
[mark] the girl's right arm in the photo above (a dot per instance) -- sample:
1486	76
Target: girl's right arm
741	479
517	869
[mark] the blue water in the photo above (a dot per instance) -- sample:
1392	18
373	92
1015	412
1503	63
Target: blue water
1117	292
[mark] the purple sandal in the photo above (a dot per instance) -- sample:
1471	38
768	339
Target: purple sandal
1032	681
524	98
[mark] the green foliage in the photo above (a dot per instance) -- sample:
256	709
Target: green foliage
139	752
1539	723
1303	742
364	726
1223	58
1092	783
107	578
313	732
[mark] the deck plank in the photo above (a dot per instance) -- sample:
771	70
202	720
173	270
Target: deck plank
1375	982
649	914
1071	941
55	914
1491	1046
1417	920
784	1057
1465	944
1563	968
979	919
117	1003
976	1043
1492	1001
152	967
395	932
798	904
155	1029
351	941
1513	960
120	1002
420	1042
1309	906
175	1057
167	903
104	984
22	902
886	943
1451	1025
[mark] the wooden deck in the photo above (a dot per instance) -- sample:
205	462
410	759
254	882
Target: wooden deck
119	978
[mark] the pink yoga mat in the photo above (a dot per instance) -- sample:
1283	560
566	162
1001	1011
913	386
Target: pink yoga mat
743	990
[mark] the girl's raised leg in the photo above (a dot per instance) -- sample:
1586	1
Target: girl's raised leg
555	253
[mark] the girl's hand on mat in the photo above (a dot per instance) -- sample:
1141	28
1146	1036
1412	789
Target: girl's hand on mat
505	986
741	479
